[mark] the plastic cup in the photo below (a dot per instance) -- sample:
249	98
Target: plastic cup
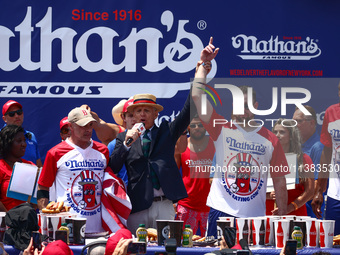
281	232
53	224
312	238
326	228
270	229
242	229
176	228
163	231
231	219
79	226
221	224
43	224
2	226
259	231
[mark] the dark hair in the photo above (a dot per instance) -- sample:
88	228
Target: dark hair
311	110
7	135
244	89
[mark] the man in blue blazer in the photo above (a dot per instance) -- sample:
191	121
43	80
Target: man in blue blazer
154	181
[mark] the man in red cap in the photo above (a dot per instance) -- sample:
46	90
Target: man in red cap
65	131
12	114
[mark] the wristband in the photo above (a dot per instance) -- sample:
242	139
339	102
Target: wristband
205	65
43	194
295	205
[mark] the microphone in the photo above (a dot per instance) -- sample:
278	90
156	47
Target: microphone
138	126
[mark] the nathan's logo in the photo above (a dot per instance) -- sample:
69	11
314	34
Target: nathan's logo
74	165
335	133
238	100
274	49
256	148
74	47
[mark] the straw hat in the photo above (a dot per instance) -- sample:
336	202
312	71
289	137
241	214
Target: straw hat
119	108
144	100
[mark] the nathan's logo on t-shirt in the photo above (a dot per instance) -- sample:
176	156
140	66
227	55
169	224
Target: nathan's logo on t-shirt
335	133
94	164
199	162
84	196
249	147
243	180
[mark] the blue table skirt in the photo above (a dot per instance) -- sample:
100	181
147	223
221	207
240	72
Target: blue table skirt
196	250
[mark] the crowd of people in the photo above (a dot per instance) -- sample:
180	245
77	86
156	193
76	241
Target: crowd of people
159	163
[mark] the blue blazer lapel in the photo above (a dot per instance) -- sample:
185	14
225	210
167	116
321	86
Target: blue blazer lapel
138	143
154	132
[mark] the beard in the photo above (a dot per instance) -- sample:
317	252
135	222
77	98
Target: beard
197	135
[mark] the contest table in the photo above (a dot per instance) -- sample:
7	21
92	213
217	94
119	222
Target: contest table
197	250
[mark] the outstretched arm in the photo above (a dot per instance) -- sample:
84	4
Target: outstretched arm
106	132
202	70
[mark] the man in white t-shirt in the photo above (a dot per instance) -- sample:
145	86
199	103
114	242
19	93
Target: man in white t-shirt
246	152
330	167
77	166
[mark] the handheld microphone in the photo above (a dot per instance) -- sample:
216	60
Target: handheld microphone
138	126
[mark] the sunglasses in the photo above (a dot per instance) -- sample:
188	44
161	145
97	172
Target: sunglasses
199	125
11	114
64	131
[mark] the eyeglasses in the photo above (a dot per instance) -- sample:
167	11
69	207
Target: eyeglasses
12	113
299	121
197	125
64	131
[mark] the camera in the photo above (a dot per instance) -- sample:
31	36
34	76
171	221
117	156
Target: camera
170	246
291	247
36	240
136	248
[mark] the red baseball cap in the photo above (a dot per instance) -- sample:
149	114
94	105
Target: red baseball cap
8	104
113	240
127	104
57	247
63	122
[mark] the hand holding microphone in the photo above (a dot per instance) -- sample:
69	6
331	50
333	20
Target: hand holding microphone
137	130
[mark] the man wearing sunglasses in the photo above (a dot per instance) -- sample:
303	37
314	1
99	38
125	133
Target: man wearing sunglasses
12	114
195	162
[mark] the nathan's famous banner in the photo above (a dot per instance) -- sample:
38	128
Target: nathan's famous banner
56	55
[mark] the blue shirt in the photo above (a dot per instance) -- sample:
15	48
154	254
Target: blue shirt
32	152
122	173
313	148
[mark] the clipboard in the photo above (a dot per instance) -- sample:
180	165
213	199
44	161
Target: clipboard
292	178
23	183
